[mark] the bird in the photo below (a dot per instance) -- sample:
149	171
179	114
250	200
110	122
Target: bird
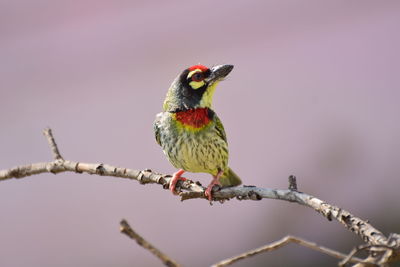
189	131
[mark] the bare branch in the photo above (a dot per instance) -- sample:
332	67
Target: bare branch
126	229
362	228
283	242
144	177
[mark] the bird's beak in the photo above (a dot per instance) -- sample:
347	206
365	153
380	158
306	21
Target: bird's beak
218	73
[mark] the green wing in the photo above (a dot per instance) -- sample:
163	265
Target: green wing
156	128
229	177
220	128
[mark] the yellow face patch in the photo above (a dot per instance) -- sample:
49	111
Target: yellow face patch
206	100
195	84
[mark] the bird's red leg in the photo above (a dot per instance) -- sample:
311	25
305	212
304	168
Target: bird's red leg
215	181
175	178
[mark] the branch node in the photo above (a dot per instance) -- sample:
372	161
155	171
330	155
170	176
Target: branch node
100	170
292	183
140	177
347	219
329	216
77	170
254	196
17	173
394	240
160	180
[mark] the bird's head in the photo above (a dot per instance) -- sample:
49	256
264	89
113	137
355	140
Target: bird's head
194	87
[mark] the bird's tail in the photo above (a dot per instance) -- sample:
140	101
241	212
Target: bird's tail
230	178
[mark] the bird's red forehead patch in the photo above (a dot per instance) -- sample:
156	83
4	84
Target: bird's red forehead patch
200	67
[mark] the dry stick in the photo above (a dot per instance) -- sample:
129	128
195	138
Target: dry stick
384	250
52	143
362	228
283	242
126	229
350	256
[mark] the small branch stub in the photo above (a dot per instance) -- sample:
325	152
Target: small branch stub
292	183
52	143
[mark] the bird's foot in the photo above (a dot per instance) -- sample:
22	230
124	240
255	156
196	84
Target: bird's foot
174	180
215	181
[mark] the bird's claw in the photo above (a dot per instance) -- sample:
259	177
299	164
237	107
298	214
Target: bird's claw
209	190
172	184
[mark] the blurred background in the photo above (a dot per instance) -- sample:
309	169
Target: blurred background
315	93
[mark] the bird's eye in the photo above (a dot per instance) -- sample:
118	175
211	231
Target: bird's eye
198	77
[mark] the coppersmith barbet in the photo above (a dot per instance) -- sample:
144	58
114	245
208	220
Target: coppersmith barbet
190	132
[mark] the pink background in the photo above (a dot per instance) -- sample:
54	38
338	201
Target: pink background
315	93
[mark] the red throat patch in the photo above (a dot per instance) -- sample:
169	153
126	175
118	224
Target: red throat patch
196	118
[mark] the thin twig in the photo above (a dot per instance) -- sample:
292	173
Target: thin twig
385	257
350	256
283	242
127	229
52	143
380	254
